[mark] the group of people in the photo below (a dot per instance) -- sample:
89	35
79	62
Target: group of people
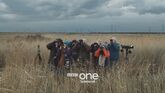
67	53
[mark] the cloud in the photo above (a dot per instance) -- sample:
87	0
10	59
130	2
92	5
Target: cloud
59	9
35	10
147	6
9	16
5	13
3	7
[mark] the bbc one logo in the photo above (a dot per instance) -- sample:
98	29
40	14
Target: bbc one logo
85	77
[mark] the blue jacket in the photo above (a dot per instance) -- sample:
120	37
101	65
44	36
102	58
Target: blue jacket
67	43
114	49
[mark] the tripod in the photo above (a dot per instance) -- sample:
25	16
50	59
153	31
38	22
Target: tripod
38	57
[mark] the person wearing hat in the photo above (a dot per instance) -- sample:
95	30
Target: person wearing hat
114	49
68	43
102	55
93	48
67	54
54	48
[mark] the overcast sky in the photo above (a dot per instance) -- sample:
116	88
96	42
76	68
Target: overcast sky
82	15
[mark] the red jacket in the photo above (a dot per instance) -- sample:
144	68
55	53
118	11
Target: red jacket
106	53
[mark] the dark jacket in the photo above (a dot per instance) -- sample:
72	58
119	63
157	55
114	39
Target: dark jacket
94	48
114	49
54	52
68	54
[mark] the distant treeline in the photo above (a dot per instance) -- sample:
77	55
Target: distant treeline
82	32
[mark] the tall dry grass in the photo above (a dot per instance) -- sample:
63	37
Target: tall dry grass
145	72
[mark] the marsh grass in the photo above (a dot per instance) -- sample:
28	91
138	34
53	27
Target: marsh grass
145	72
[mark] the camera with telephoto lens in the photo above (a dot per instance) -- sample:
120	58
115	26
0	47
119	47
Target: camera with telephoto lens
127	48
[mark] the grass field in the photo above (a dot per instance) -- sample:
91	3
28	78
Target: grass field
145	72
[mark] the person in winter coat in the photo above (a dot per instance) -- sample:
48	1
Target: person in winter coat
114	49
102	54
54	48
